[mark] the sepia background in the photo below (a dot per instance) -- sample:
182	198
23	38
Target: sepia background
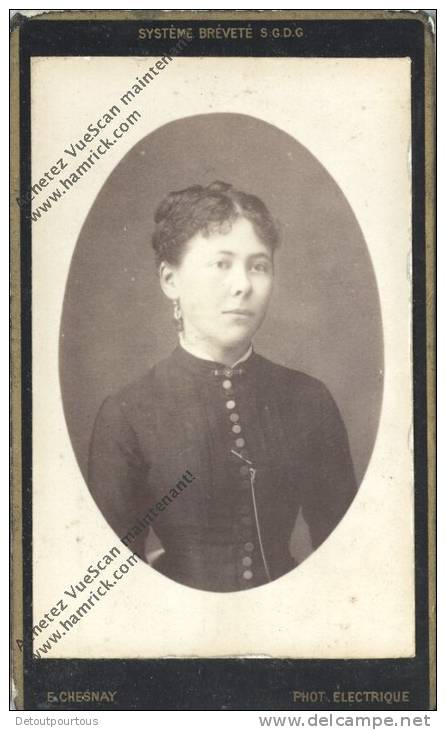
325	316
307	135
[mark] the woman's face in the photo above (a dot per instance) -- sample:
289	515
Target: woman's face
224	284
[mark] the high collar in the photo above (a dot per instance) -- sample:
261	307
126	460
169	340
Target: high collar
201	356
199	365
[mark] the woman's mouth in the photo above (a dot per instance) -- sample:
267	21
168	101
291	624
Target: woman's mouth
240	312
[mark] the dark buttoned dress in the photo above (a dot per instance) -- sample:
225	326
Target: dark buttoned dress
230	456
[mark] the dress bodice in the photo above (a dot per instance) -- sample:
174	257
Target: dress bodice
218	462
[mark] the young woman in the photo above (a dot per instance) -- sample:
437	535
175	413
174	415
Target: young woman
217	448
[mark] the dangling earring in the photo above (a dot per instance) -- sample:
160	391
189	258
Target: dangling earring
178	315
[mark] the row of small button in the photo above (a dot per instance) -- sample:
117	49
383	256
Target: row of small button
244	471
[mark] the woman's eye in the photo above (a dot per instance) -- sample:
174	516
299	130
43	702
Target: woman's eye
260	267
222	264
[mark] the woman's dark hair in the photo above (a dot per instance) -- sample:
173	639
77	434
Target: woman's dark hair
207	210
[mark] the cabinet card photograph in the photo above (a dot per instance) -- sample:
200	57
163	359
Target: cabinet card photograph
220	232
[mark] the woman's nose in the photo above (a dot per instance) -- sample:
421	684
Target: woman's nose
240	281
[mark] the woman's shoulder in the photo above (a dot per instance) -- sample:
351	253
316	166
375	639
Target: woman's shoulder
286	377
133	397
141	395
301	392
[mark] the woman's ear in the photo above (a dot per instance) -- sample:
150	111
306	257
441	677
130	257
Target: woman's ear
168	280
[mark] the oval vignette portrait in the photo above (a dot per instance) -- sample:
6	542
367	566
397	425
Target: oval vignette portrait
221	352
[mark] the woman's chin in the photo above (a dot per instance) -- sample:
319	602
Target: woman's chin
231	339
235	343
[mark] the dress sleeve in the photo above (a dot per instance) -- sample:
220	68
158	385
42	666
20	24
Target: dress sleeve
117	473
331	483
